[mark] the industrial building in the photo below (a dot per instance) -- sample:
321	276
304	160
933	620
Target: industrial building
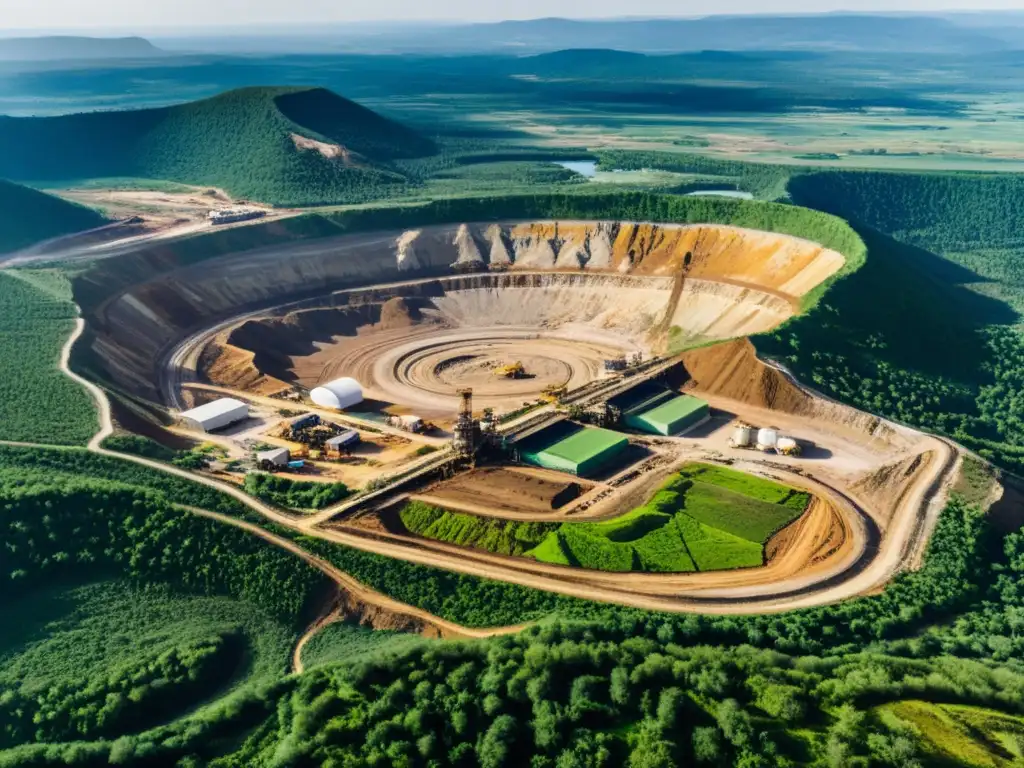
567	447
275	458
231	215
656	410
305	421
338	394
216	415
343	441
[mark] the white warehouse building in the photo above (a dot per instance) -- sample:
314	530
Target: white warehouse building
220	413
338	394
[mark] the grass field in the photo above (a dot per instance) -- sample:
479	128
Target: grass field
961	735
38	403
705	518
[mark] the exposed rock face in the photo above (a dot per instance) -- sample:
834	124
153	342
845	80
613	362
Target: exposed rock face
405	254
738	281
469	253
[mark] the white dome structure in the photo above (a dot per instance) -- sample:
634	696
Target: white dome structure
338	394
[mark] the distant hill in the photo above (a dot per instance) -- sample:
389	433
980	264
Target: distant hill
285	146
57	48
876	32
28	216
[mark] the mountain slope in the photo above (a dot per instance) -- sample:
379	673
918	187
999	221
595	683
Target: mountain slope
287	146
30	217
58	48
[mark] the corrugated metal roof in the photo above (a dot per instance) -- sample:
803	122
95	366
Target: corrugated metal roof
212	410
345	438
274	455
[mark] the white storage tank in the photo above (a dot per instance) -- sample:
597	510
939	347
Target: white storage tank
338	394
767	438
742	436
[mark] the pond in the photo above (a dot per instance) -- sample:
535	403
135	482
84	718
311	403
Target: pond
721	193
586	168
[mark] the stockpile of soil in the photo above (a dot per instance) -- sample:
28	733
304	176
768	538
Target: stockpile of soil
733	371
506	490
399	312
883	488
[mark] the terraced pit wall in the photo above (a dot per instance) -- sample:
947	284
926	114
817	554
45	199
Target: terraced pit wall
155	301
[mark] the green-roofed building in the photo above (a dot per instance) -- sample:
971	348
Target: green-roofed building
669	417
580	451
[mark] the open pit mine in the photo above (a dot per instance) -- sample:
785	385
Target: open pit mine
565	374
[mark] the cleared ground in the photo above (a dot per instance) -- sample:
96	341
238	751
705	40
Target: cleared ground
506	490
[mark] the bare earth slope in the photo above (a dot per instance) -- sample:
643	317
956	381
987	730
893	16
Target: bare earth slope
737	282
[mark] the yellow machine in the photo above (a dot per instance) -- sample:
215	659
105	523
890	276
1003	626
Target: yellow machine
553	394
513	371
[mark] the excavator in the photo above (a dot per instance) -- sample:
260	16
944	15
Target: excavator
553	393
513	371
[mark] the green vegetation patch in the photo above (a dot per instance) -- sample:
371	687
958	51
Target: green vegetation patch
688	525
110	658
347	643
38	403
295	494
749	485
971	736
241	141
31	216
504	537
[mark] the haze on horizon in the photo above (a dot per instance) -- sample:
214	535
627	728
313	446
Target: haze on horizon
130	15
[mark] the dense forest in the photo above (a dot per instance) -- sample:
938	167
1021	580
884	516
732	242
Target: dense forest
241	141
926	332
39	217
38	403
295	494
631	688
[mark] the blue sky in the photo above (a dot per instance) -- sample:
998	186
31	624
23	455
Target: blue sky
143	15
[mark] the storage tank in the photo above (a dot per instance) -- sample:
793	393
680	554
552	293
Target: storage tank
767	438
338	394
742	436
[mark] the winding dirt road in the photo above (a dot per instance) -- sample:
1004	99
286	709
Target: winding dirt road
868	566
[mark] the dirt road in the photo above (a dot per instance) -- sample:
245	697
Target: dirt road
870	565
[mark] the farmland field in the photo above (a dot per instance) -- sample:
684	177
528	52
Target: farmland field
704	518
38	403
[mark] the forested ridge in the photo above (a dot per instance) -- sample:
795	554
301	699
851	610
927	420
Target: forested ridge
31	216
927	331
241	141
